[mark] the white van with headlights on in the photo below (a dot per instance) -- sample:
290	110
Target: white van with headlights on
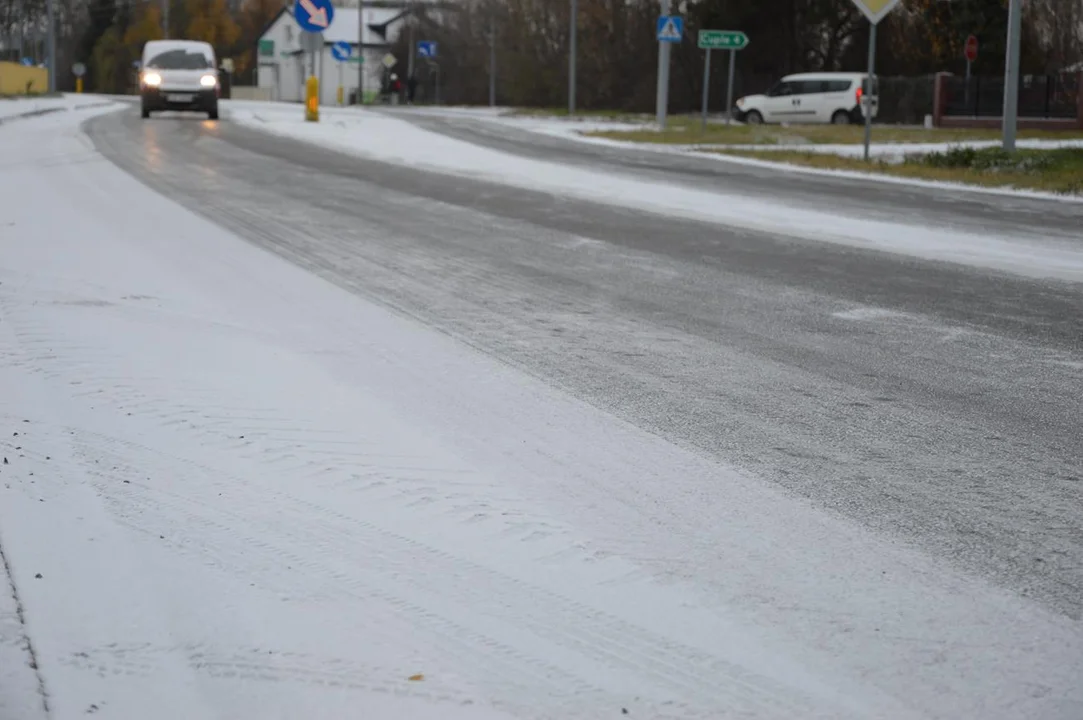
828	97
179	75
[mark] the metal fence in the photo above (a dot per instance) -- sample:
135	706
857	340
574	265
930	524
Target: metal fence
1040	96
906	100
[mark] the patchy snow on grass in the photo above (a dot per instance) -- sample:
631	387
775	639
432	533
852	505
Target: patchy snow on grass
897	152
378	136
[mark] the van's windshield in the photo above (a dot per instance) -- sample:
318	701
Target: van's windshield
180	59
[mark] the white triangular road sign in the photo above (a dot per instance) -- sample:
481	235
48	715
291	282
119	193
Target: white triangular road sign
670	31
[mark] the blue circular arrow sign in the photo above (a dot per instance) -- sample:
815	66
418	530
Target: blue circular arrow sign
314	16
341	51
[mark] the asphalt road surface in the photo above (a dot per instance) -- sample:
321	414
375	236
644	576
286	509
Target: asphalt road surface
936	403
961	210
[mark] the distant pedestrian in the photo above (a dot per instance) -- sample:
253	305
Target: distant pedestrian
411	88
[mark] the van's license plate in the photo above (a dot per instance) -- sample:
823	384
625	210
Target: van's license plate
179	98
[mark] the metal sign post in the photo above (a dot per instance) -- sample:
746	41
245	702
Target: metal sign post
866	97
670	30
875	11
732	40
341	51
729	86
706	87
571	56
971	54
1011	74
78	70
50	14
361	52
492	63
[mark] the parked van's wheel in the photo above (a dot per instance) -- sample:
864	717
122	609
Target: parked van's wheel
754	117
841	117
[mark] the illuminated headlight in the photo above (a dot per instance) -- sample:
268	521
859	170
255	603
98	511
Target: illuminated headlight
208	81
152	79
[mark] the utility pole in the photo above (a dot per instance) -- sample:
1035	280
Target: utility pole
51	17
662	101
574	22
492	60
360	52
1011	74
165	18
412	45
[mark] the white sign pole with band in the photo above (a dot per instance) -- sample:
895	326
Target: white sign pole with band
875	11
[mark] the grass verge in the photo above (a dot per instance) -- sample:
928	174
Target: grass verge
1057	171
688	131
610	115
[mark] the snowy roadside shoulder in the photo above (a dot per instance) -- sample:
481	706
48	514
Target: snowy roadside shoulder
12	109
1049	168
1040	169
379	137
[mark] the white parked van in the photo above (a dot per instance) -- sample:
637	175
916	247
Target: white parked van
828	97
179	75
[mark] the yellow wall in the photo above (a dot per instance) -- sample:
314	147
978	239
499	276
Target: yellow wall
14	77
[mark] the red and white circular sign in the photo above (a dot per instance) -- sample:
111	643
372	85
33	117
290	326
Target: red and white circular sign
972	48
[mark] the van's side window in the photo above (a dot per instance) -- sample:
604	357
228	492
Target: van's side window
784	88
838	85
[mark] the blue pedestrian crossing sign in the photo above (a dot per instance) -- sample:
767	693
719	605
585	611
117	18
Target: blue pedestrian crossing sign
426	49
670	28
341	51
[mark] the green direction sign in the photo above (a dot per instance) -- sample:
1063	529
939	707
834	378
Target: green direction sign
722	40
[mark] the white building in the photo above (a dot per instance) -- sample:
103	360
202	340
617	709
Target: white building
283	66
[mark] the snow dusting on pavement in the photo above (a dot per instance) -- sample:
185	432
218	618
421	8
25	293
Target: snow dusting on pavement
576	128
19	108
233	490
377	136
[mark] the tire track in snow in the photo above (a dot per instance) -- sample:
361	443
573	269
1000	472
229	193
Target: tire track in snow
228	540
261	664
698	679
684	672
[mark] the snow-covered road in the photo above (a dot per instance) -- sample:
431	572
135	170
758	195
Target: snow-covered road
232	489
371	135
